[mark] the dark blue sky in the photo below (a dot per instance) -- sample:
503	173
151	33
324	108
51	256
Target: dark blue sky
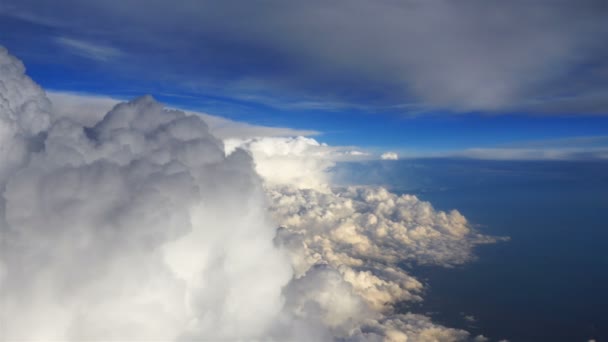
420	78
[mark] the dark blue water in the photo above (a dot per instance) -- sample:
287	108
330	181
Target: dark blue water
550	281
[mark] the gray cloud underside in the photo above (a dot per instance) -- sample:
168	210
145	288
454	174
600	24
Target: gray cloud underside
545	56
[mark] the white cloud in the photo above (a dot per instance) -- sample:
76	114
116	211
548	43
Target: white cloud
351	243
407	327
138	228
389	156
364	233
297	161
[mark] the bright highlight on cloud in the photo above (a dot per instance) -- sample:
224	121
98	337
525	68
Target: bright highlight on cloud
299	161
141	225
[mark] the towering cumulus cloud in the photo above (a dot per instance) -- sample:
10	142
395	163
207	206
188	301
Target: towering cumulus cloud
298	161
139	226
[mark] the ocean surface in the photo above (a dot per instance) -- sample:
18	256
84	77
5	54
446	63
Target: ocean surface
549	282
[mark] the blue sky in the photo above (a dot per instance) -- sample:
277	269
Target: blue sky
421	78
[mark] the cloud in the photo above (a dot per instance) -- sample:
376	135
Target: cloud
89	50
136	228
25	113
496	56
299	161
354	243
590	153
566	142
360	238
389	156
141	225
369	228
88	109
566	148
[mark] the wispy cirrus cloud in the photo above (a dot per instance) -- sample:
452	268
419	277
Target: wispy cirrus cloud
90	50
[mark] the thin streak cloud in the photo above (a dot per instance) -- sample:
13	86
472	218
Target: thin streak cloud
98	52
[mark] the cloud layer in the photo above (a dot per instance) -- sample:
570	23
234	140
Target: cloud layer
140	225
546	57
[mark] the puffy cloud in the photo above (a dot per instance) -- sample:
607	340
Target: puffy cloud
353	243
298	161
333	310
140	225
135	228
389	156
367	235
407	327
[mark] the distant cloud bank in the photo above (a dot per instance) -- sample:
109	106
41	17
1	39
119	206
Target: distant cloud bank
87	109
